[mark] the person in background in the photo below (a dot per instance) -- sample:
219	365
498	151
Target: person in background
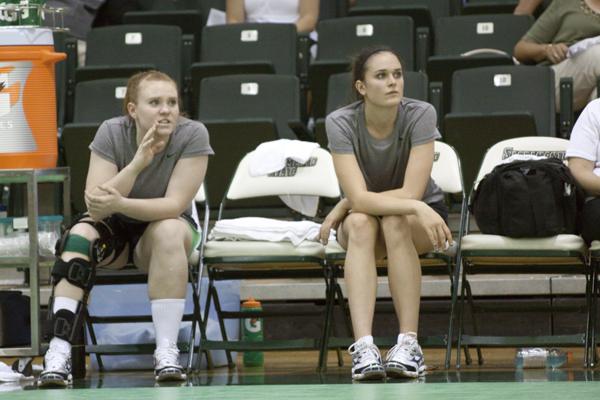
303	13
139	194
383	149
583	155
563	24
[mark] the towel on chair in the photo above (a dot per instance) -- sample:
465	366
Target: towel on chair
272	156
267	229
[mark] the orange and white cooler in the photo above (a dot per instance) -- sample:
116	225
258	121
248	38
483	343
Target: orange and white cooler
28	131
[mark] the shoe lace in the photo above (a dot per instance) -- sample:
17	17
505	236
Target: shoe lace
167	356
410	347
364	354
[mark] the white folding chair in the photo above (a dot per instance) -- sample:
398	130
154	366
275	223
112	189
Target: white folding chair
252	259
496	254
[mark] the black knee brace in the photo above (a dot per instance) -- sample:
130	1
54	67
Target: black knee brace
77	271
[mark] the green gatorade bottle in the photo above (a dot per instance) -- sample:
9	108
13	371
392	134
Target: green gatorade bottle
252	331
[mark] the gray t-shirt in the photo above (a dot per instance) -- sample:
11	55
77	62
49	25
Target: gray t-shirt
383	162
115	141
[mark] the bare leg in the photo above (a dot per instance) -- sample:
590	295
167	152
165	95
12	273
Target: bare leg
359	234
162	251
404	241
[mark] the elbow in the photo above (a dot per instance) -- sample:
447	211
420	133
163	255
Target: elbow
518	53
521	53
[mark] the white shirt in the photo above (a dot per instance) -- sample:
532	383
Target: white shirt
585	138
274	11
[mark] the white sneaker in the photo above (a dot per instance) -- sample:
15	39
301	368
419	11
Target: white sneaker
405	359
366	362
166	364
57	368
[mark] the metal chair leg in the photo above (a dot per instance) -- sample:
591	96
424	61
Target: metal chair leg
454	278
475	327
324	344
90	327
460	321
215	294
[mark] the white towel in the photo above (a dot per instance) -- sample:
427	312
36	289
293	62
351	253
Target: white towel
272	156
267	229
8	375
582	45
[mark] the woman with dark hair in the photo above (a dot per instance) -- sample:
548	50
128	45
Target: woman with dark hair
383	148
145	169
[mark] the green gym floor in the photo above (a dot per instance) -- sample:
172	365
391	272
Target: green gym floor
292	375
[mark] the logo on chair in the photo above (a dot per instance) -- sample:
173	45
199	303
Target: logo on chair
509	151
291	167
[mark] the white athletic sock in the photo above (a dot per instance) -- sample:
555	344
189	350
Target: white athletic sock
366	340
60	345
403	334
167	315
64	303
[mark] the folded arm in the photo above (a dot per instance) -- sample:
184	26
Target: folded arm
530	52
182	188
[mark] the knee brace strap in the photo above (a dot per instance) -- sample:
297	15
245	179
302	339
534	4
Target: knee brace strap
63	325
77	271
78	244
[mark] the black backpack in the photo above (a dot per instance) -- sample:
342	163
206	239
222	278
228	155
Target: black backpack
533	198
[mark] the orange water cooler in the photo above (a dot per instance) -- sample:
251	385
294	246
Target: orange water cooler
28	131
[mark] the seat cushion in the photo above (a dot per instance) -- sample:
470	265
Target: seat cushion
217	248
497	242
595	248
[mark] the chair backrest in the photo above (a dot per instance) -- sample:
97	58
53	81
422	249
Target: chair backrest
98	100
446	170
168	5
460	34
275	97
339	88
489	7
64	42
276	43
528	145
423	12
159	45
342	38
315	178
75	143
505	89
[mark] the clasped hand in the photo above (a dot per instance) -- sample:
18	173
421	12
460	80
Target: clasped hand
102	202
437	230
556	53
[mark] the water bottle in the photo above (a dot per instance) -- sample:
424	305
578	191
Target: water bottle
252	331
535	357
